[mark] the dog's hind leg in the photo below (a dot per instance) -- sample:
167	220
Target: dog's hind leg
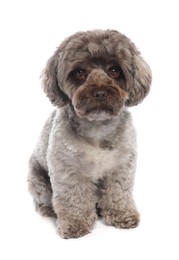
40	188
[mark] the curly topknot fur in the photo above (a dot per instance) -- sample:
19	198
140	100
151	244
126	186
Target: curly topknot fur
85	158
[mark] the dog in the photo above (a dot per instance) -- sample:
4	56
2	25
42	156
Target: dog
85	159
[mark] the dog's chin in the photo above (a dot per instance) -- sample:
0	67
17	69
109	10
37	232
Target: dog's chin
97	114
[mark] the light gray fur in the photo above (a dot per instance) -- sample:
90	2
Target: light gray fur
87	161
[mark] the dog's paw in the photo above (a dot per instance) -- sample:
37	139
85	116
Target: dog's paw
73	228
128	219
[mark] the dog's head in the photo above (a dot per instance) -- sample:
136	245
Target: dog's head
98	72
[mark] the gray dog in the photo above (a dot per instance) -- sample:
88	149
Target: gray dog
85	159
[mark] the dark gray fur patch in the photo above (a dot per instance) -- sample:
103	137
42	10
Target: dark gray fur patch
105	144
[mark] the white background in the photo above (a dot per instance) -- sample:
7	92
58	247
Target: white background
29	33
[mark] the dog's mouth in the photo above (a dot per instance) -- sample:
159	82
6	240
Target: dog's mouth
98	110
96	113
99	104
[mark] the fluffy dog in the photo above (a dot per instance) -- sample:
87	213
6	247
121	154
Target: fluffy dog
85	159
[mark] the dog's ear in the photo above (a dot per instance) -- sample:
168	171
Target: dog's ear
50	83
139	80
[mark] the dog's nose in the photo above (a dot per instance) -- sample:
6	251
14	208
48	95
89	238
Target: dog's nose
100	95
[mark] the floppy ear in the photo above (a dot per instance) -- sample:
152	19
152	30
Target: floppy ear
139	80
50	83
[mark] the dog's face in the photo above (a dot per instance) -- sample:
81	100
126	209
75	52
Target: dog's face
98	72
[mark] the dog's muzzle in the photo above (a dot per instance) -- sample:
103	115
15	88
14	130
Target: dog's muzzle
99	98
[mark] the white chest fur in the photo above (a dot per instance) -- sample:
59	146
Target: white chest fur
100	161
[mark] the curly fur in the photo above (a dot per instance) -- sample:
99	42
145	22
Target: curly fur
85	158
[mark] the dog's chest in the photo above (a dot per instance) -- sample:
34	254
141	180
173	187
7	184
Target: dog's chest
99	161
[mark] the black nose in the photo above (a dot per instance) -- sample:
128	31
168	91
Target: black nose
100	95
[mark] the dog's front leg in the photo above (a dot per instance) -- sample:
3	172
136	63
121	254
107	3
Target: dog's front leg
117	204
74	204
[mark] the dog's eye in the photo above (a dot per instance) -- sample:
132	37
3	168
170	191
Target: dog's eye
80	74
114	72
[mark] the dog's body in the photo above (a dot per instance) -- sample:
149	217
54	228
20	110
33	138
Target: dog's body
86	155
